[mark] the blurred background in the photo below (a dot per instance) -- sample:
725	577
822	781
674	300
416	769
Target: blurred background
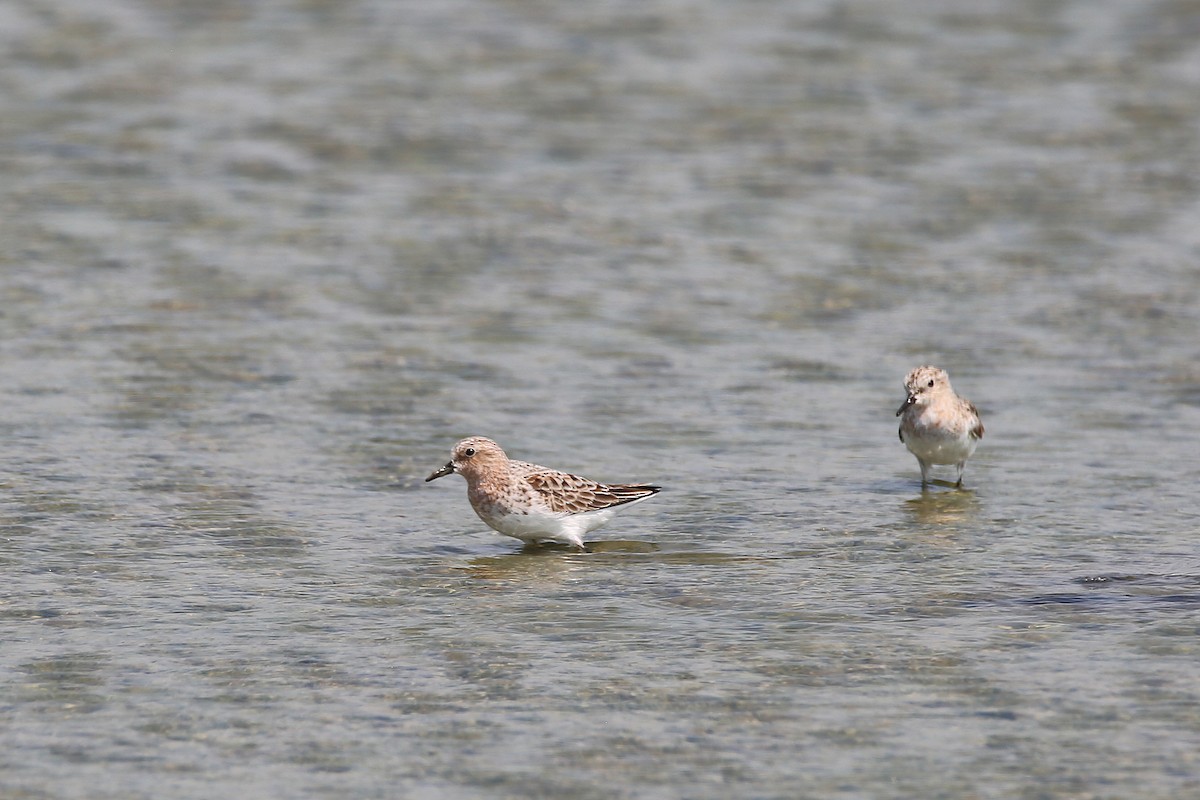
262	264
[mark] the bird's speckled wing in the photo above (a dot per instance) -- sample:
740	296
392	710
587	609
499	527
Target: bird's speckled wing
571	494
977	431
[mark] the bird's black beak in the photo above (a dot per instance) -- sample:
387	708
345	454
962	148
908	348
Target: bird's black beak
912	398
441	473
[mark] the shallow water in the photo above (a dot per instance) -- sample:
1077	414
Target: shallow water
263	264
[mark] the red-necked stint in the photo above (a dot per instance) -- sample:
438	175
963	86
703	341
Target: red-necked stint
937	425
532	503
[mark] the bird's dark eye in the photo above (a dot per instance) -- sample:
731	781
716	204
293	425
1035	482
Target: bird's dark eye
470	451
931	383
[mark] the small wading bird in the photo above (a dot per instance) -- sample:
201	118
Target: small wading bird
937	425
532	503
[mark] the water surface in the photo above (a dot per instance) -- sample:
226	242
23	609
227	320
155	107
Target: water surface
263	264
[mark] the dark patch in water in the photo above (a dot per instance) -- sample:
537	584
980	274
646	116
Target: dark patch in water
1067	598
